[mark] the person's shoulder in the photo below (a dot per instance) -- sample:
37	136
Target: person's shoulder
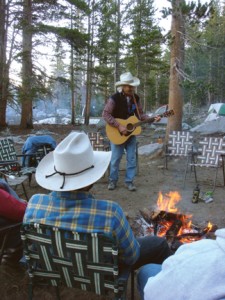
115	95
110	203
116	207
37	197
198	247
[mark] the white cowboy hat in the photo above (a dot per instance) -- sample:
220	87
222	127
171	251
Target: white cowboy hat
127	79
72	165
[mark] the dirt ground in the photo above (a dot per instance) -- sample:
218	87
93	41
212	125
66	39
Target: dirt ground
151	179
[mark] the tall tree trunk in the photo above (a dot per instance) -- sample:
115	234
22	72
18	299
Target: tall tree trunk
26	94
176	66
157	89
144	97
72	87
72	83
89	67
4	70
118	37
209	100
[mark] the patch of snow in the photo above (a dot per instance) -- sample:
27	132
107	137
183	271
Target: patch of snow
65	121
51	120
94	121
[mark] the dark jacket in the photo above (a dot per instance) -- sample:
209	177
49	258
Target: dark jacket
122	110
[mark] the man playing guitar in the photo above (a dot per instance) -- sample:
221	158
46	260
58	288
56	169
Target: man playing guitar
122	105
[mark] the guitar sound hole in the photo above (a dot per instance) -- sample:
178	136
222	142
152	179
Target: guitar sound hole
130	127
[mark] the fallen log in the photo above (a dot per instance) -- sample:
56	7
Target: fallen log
174	229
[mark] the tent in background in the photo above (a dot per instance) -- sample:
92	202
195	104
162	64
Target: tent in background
215	111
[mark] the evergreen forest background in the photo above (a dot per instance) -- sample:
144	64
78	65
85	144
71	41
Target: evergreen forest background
67	55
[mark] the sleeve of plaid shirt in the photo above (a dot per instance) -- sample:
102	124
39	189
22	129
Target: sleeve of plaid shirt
129	247
107	113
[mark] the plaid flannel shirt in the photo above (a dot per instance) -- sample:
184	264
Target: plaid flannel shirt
79	211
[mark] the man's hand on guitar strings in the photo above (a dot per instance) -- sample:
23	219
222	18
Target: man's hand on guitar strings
122	129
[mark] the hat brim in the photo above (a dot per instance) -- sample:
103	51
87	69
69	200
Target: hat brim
135	82
72	182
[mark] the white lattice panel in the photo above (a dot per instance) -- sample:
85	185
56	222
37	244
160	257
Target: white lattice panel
180	143
211	149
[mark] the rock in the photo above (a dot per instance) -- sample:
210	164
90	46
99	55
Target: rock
211	127
152	150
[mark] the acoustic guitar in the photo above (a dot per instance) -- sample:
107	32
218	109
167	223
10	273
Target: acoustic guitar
133	127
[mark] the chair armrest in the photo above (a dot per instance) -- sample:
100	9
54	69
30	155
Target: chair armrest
4	235
10	166
4	229
7	162
25	155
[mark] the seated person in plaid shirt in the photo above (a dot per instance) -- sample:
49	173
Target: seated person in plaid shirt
70	171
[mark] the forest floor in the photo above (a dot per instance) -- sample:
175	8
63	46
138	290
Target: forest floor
151	179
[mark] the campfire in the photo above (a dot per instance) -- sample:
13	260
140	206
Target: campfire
166	221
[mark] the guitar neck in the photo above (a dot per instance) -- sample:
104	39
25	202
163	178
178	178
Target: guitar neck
150	120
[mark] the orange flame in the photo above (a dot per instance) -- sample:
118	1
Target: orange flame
168	202
209	226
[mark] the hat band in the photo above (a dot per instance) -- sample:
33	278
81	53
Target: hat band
129	81
66	174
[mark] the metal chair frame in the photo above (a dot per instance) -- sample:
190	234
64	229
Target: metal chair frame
42	150
180	143
210	154
87	261
5	232
10	165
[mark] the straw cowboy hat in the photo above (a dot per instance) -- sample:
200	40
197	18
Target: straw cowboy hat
127	79
72	165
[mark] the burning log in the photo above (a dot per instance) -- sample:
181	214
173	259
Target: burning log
189	234
166	216
210	228
174	229
200	233
157	216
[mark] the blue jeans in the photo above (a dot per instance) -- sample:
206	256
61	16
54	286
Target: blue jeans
144	273
117	153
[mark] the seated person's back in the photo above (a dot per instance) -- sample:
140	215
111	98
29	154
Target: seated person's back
70	171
